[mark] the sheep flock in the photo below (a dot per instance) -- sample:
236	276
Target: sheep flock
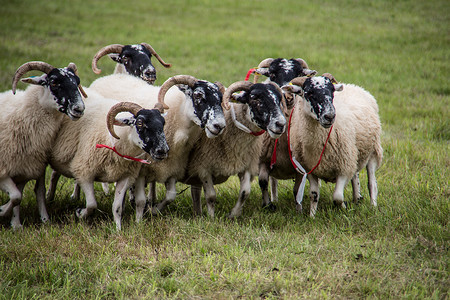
124	130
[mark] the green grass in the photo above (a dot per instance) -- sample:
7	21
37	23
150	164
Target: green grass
398	51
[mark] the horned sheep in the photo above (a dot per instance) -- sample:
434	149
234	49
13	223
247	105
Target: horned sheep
237	150
76	152
29	123
350	119
195	107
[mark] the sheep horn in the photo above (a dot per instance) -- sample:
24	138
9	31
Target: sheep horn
306	70
114	48
26	67
331	77
177	79
153	52
263	64
299	81
118	108
73	66
235	87
221	86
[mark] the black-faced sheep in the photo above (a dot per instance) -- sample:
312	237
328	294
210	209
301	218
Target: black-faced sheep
350	119
29	122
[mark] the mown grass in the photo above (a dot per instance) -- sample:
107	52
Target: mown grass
397	51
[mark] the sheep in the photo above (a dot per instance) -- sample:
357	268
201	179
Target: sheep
75	154
29	123
131	59
281	71
350	119
134	60
195	107
238	149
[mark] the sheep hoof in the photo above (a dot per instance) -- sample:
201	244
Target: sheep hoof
299	208
270	207
342	204
79	213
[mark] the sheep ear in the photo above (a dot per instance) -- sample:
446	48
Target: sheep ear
38	80
309	73
128	120
294	89
263	71
115	57
338	87
241	97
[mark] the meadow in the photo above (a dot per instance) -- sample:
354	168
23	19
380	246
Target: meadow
399	51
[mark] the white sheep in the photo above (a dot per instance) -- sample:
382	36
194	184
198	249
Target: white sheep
75	154
29	122
350	119
195	107
238	149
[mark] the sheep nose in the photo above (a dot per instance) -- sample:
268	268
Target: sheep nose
329	117
217	127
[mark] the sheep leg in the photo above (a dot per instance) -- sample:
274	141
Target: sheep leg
263	180
171	193
76	192
196	194
314	194
15	219
105	187
39	190
372	180
15	196
338	194
91	203
273	188
298	179
244	193
119	195
356	188
140	198
151	195
210	195
52	186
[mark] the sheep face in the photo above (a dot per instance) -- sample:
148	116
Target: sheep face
263	101
62	83
318	93
204	102
282	71
137	62
148	133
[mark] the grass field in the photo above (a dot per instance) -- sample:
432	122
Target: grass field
399	51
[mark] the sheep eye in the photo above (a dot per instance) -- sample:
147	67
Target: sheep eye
126	60
139	123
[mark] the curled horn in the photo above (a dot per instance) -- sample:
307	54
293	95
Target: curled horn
73	66
263	64
306	70
177	79
299	81
118	108
153	52
29	66
221	86
114	48
235	87
331	77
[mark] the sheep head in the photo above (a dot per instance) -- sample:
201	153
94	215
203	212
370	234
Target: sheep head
135	58
203	102
148	124
318	92
263	101
63	84
283	70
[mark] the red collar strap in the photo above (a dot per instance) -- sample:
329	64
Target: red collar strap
121	155
249	73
